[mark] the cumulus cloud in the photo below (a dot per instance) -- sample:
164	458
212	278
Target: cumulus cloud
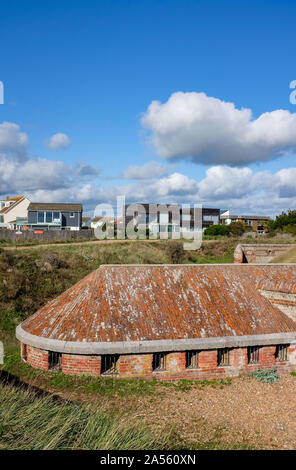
176	184
224	181
32	174
211	131
12	140
149	170
260	192
237	188
284	182
85	170
58	142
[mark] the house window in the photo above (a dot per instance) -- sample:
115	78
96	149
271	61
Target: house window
54	360
281	352
40	217
223	357
159	361
48	217
25	352
253	354
72	214
109	364
56	215
192	359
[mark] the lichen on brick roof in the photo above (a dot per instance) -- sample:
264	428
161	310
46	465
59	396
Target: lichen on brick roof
155	302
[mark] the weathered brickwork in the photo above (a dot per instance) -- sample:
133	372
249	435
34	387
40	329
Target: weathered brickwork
132	365
259	253
37	358
75	364
140	365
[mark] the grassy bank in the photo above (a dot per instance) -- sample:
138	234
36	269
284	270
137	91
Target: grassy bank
40	423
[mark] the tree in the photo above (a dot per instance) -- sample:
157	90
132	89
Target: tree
237	228
283	220
215	230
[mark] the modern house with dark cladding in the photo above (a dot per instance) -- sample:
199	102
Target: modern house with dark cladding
169	217
54	216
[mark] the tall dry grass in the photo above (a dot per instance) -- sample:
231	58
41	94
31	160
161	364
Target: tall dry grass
39	423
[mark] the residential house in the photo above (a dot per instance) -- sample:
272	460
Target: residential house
11	210
170	218
86	222
254	221
54	216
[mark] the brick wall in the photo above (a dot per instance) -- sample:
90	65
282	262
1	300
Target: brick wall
259	253
140	365
37	358
73	364
131	365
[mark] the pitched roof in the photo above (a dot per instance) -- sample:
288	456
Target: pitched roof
250	217
49	206
15	200
138	303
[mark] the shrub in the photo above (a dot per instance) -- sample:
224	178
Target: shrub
237	228
266	375
174	250
215	230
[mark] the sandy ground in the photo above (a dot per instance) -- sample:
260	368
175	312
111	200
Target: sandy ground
246	412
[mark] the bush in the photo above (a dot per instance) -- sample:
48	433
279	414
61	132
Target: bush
283	220
175	251
266	375
237	228
216	230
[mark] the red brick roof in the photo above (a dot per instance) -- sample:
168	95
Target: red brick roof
138	303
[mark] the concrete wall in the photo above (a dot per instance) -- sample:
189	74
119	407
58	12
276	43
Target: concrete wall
140	365
259	253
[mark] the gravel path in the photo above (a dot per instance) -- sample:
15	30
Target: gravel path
247	412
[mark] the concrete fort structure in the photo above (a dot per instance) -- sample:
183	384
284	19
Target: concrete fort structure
168	322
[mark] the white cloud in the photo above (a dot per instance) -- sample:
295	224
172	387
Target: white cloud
31	174
210	131
89	171
260	192
285	182
12	140
149	170
58	142
224	181
176	184
239	189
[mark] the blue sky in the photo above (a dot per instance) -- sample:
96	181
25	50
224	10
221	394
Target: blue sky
90	70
